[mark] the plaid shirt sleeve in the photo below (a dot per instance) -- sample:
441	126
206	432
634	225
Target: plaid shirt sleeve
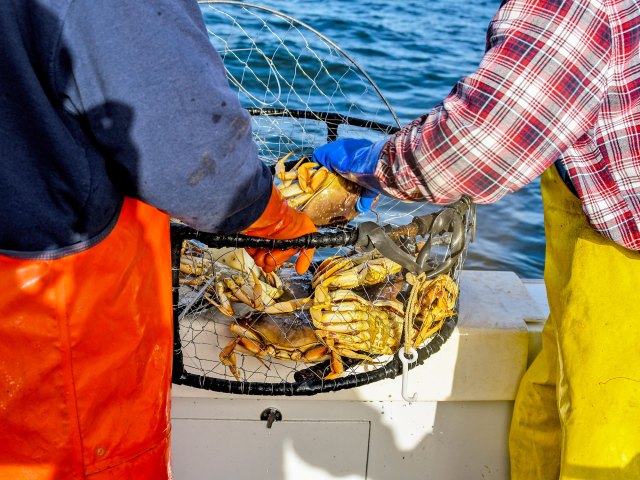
537	91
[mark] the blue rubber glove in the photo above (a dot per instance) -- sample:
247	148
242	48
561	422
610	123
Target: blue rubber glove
356	160
366	199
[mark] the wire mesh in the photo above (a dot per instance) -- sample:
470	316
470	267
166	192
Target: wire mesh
386	279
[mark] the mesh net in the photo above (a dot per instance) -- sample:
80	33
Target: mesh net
343	323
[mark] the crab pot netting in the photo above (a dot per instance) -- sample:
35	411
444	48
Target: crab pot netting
302	91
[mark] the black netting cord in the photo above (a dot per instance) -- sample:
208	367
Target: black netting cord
325	238
331	119
309	381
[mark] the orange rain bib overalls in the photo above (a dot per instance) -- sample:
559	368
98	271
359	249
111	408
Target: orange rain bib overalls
85	357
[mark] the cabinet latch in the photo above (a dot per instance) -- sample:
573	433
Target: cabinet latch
271	415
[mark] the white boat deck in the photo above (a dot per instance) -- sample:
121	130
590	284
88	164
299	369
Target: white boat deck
456	429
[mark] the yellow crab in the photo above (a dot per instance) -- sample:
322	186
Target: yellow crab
353	327
359	270
290	337
232	276
325	197
430	303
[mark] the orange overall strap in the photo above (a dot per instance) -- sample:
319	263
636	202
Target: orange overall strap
85	357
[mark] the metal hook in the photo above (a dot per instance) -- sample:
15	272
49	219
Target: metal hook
413	356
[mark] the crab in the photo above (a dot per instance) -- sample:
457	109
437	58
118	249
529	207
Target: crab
430	303
359	270
231	275
325	197
354	327
288	337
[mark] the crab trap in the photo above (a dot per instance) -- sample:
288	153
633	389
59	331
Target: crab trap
384	285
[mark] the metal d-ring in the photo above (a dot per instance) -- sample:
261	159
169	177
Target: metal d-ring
449	220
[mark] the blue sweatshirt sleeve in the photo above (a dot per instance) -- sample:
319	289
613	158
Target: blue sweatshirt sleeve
152	90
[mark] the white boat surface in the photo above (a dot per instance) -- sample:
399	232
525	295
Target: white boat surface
457	427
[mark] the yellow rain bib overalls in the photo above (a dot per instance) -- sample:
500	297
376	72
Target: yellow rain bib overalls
577	412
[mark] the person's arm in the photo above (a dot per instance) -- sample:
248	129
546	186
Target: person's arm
537	90
153	93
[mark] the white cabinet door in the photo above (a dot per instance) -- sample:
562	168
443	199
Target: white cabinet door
207	449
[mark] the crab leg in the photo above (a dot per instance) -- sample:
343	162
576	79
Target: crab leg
291	190
300	200
337	367
289	306
244	292
228	357
279	169
344	324
313	355
223	304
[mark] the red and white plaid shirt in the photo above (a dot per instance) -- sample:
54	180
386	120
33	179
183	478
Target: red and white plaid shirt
560	80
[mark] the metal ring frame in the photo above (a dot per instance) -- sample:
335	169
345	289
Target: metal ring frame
320	35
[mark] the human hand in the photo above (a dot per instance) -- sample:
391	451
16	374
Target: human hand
356	160
281	222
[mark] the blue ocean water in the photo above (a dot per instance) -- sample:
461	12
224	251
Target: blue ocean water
415	51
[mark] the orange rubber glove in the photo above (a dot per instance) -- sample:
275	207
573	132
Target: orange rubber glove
280	222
